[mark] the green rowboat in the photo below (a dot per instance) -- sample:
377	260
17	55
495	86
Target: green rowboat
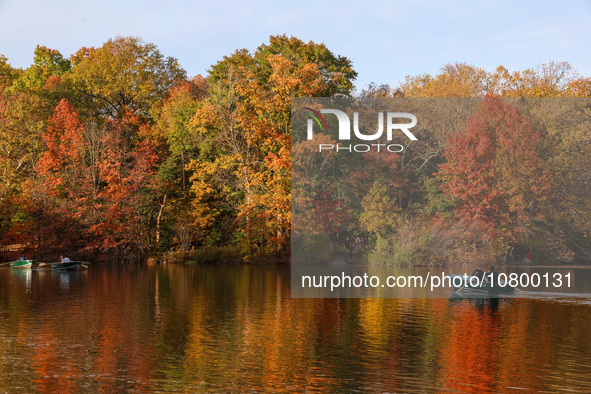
22	264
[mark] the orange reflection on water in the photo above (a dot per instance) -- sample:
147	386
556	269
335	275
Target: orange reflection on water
469	358
52	370
207	328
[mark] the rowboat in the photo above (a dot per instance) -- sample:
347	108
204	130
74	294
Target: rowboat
22	264
474	285
69	266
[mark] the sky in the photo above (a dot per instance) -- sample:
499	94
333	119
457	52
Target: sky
385	40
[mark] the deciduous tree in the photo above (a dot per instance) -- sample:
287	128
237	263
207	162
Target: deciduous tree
495	173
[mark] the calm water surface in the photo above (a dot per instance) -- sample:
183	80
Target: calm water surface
204	328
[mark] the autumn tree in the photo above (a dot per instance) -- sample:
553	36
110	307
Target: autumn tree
125	74
48	68
173	129
554	79
26	102
93	200
127	200
566	149
119	90
22	116
7	73
454	80
243	171
495	174
176	144
381	214
50	197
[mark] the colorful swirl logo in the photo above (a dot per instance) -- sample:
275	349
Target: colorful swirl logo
318	117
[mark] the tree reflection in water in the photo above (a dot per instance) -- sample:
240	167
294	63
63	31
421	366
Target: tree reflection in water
186	328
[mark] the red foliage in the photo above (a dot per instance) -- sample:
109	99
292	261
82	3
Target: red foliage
63	141
125	198
494	172
330	212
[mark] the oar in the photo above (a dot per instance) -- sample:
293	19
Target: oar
85	266
6	263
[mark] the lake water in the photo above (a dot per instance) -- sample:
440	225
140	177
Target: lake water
205	328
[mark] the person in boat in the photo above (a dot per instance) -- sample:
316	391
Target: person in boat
528	256
492	274
65	260
478	273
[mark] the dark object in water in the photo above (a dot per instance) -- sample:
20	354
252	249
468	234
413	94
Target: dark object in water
482	285
69	266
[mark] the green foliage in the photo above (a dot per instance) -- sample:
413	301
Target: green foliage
7	73
125	74
400	251
381	215
45	73
436	201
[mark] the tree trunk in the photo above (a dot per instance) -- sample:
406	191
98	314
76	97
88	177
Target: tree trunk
158	220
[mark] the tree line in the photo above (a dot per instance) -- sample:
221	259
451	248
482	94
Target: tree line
114	151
